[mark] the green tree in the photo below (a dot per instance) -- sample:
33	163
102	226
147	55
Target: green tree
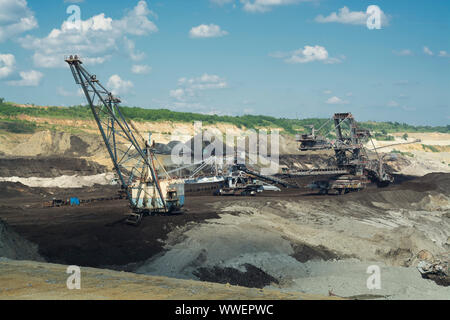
405	136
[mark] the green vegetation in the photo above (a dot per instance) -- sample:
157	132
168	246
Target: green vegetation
290	126
430	148
76	112
392	127
409	154
405	137
17	126
383	137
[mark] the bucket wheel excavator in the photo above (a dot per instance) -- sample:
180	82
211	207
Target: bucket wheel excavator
354	169
143	179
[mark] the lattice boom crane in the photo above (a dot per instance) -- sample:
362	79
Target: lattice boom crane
132	156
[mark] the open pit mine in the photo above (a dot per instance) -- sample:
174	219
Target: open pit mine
343	209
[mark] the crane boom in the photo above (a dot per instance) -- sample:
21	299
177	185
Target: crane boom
131	155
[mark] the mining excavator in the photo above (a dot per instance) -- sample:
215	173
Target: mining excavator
243	181
354	170
148	187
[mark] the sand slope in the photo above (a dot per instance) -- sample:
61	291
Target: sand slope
41	281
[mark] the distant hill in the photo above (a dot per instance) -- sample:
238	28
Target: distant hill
9	113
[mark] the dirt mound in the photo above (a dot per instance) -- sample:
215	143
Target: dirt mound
48	167
308	161
25	280
52	143
252	277
78	147
304	253
10	190
439	182
13	246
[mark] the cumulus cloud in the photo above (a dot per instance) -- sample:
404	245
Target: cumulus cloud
178	94
427	51
119	86
94	39
130	47
307	54
261	6
444	54
141	69
207	31
30	78
221	2
188	88
7	64
15	18
345	16
336	100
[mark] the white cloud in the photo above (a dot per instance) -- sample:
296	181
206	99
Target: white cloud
30	78
95	39
345	16
130	47
336	100
7	64
177	94
427	51
204	82
15	18
261	6
141	69
136	22
444	54
207	31
119	86
404	52
327	92
188	88
307	54
221	2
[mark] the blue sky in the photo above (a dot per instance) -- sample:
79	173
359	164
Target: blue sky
284	58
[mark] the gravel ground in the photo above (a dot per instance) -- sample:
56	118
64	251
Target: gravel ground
348	278
288	240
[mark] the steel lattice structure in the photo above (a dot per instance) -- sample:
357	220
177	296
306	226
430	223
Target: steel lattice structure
353	164
131	154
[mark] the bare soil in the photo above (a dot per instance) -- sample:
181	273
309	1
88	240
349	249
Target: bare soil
95	235
48	167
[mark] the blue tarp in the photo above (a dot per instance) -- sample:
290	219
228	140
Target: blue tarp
74	201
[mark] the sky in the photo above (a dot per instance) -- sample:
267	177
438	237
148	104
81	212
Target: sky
282	58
